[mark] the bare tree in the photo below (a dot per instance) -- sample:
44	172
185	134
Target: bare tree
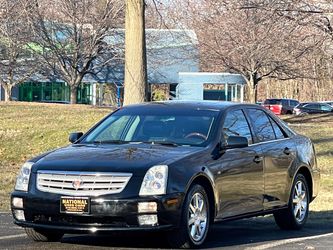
16	63
70	35
136	86
252	38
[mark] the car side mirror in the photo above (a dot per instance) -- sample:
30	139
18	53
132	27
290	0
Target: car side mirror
73	137
237	142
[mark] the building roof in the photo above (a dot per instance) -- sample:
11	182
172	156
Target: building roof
168	53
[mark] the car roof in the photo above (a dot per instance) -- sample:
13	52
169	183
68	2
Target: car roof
313	103
190	105
282	99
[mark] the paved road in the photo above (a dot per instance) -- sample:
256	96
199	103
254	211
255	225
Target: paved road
249	234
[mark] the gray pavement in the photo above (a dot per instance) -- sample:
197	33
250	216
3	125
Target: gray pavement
250	234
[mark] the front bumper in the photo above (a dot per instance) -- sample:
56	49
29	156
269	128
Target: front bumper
106	214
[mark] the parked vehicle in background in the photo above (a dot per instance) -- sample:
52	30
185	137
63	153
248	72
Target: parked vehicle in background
312	108
171	166
328	102
280	106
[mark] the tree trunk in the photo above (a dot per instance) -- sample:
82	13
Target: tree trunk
8	92
136	87
73	95
252	93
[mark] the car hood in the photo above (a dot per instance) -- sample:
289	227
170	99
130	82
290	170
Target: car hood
133	158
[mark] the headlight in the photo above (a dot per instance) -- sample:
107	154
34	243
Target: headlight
155	181
22	180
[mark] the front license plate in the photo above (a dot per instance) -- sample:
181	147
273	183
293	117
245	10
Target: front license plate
77	205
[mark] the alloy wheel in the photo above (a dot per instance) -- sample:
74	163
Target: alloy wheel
197	217
300	201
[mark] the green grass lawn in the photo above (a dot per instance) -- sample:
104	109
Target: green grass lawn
320	129
28	129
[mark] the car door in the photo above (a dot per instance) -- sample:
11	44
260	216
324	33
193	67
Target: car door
279	153
239	171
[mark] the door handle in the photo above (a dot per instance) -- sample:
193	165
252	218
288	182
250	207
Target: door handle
287	151
258	159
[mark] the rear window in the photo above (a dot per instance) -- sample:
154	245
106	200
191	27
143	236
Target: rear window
301	105
273	101
312	106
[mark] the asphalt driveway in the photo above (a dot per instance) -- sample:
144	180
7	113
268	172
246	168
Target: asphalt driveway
250	234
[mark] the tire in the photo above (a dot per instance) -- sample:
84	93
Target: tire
195	220
43	235
303	114
294	217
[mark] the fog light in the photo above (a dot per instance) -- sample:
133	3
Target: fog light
145	220
147	207
19	215
17	202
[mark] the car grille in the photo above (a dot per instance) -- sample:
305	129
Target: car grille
81	183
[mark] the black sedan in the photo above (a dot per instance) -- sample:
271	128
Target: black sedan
171	166
312	108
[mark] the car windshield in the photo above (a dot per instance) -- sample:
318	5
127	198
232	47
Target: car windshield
166	128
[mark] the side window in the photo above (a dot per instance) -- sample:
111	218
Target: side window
235	124
262	125
312	106
277	130
294	103
285	102
325	107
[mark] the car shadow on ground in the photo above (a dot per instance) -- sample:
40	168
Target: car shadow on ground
228	234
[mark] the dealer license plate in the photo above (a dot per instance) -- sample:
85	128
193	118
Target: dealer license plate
77	205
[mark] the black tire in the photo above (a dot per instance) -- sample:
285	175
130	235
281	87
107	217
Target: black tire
303	114
182	237
287	219
43	235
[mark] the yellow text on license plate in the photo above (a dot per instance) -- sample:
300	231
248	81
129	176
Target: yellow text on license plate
74	205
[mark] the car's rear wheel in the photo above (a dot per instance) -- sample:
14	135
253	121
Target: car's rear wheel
195	220
43	235
295	216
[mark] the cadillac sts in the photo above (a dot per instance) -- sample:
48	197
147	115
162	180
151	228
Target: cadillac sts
175	167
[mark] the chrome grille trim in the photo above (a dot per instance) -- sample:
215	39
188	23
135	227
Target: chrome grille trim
93	183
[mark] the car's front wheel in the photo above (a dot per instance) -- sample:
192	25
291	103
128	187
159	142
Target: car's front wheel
43	235
295	216
195	220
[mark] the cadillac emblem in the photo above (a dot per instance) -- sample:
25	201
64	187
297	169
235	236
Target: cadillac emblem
77	184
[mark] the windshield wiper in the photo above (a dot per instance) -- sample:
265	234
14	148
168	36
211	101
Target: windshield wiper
111	142
164	143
